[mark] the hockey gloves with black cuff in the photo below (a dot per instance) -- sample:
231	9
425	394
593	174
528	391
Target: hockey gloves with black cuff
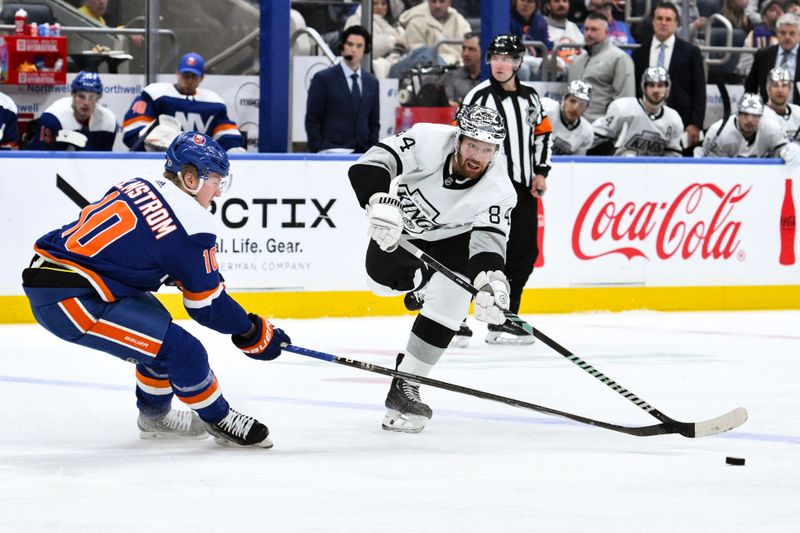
264	343
493	297
385	220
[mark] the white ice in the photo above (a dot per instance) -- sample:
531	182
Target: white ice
71	458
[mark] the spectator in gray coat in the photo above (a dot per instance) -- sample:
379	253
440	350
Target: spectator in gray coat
606	67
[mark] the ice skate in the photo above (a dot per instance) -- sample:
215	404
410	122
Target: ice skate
406	411
462	336
237	429
503	335
174	425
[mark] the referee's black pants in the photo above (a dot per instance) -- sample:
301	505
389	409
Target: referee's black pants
523	248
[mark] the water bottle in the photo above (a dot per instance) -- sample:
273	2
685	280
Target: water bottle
20	19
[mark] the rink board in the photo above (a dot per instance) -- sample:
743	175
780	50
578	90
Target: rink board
619	233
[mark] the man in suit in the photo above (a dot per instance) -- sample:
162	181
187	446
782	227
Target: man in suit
342	108
685	65
783	54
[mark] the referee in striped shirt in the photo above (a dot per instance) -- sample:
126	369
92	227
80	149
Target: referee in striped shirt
527	148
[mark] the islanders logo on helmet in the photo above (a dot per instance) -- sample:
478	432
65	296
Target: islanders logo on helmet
202	152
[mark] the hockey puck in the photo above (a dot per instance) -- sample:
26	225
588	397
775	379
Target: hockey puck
736	461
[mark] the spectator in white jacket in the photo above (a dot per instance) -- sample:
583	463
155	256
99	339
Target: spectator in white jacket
434	20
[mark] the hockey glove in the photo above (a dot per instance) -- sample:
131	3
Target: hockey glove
493	298
264	343
385	220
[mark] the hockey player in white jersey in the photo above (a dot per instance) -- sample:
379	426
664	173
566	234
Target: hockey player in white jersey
641	127
748	134
447	190
780	83
572	134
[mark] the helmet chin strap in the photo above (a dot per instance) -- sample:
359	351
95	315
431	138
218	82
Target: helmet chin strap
194	191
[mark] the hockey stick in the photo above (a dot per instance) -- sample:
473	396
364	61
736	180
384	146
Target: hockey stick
726	422
646	431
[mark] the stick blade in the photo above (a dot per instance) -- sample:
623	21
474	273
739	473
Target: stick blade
720	424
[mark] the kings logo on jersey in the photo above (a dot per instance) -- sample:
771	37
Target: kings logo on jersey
648	143
419	215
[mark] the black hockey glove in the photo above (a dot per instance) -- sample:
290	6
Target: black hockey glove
264	343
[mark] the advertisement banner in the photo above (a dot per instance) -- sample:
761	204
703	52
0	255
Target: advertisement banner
292	223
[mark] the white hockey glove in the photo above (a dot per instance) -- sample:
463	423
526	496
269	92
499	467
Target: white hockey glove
237	150
160	137
385	220
493	297
791	155
75	138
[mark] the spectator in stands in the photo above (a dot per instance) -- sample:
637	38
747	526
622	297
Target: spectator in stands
388	40
783	54
76	122
748	135
195	109
561	30
572	134
429	22
643	127
766	32
618	32
342	110
9	134
778	108
606	67
528	23
94	11
792	6
762	35
684	63
734	11
457	83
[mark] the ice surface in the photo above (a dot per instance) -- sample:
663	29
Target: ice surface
71	459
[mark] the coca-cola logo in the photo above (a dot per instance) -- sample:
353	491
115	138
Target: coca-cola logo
698	221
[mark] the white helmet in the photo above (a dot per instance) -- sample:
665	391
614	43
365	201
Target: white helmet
481	123
751	104
582	90
779	74
655	75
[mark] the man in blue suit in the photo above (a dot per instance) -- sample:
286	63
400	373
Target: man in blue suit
342	109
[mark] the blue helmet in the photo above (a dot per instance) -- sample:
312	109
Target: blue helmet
87	81
200	150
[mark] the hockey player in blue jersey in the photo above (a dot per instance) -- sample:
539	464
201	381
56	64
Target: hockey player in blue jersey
9	134
194	108
90	283
76	122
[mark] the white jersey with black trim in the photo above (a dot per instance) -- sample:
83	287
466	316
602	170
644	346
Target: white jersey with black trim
724	139
528	144
638	132
568	139
789	121
438	204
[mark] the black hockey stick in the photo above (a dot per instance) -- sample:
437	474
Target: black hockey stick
646	431
728	421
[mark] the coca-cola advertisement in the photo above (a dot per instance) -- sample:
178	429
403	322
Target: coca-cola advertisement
673	223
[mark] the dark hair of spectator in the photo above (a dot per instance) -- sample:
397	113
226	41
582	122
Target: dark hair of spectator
596	15
358	30
790	3
671	7
477	35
